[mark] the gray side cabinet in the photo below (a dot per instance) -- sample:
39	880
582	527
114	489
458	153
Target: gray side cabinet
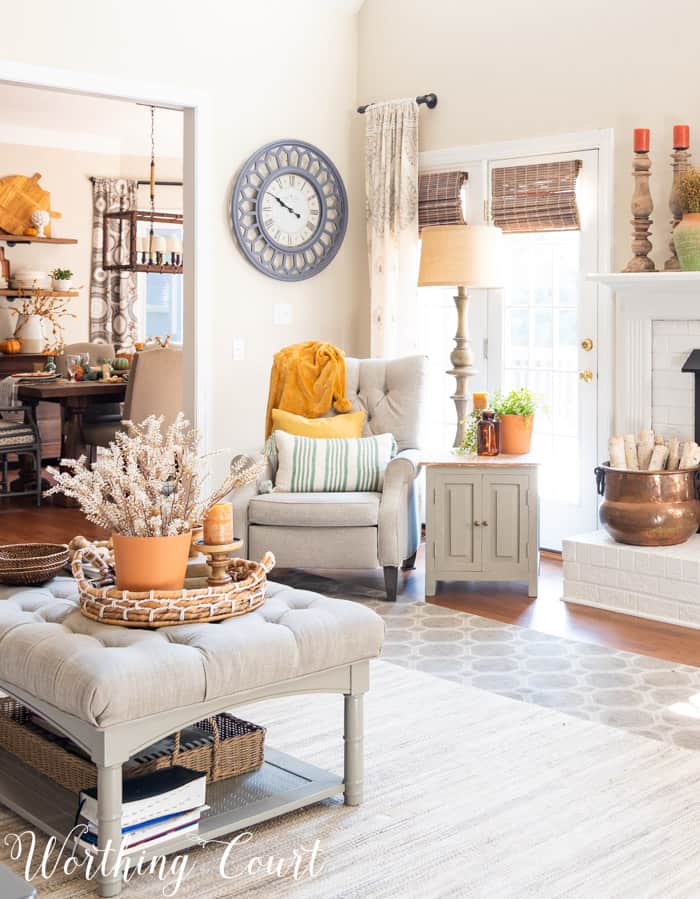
481	523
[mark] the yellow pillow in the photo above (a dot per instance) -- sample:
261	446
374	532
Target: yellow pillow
349	424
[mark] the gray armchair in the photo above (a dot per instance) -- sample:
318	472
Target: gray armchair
351	530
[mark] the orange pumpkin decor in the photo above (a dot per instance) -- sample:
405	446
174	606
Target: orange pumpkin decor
10	346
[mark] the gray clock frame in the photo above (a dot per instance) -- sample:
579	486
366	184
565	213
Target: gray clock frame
254	241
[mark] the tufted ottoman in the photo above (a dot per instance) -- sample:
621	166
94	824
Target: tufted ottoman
116	690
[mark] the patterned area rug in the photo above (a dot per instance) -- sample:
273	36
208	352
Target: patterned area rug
640	694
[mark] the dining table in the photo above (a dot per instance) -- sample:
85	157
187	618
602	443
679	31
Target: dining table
74	397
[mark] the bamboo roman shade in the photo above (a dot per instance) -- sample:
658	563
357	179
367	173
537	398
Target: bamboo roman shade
440	199
536	197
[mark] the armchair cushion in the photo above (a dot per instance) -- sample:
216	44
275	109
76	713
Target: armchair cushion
315	509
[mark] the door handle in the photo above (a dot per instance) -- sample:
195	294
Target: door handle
485	524
586	344
586	375
477	524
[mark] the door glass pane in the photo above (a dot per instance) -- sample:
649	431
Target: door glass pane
540	348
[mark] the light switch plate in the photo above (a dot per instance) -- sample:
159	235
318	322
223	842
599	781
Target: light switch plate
238	350
282	314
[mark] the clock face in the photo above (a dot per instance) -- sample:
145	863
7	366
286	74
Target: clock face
289	210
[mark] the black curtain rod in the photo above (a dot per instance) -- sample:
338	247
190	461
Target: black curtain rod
430	101
142	182
145	181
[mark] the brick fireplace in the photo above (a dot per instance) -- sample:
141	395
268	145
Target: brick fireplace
657	326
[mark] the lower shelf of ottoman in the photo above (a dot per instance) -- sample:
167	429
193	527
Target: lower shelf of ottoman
282	785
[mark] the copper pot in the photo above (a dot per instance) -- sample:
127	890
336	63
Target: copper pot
649	508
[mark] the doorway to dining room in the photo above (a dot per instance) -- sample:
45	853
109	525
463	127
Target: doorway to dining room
186	307
73	138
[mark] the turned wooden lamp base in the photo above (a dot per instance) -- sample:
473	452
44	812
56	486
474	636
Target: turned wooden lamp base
218	558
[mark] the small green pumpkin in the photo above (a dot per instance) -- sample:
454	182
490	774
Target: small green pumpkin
120	364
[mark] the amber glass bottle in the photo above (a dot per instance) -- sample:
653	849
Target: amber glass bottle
487	435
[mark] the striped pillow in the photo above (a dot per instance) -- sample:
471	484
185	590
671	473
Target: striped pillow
320	465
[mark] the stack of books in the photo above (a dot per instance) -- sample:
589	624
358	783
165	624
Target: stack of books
155	808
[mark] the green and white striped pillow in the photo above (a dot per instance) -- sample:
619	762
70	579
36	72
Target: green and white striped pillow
317	464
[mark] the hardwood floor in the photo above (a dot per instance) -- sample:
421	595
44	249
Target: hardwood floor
21	521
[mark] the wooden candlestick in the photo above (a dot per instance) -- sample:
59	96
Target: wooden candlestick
641	207
218	559
680	163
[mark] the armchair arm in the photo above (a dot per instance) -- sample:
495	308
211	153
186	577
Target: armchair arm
241	498
399	528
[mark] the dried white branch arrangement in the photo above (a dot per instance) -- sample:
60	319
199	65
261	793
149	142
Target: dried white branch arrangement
651	452
148	483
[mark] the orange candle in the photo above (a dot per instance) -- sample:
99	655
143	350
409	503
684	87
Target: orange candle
480	401
218	525
641	140
681	137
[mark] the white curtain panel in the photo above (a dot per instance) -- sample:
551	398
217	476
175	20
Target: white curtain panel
391	181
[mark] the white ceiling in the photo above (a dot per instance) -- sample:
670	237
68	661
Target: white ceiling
49	118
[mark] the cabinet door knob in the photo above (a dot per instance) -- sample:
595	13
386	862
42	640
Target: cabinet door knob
485	523
477	524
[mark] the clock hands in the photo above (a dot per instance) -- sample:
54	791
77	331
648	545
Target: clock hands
282	203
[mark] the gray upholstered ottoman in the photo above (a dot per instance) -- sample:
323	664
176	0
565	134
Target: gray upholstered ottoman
116	690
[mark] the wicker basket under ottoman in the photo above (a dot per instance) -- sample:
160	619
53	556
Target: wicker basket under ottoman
235	747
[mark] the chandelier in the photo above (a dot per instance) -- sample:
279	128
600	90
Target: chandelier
130	242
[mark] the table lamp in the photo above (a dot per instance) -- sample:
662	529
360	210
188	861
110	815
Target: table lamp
462	256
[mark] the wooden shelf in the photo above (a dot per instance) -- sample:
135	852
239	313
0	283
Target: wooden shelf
28	292
27	238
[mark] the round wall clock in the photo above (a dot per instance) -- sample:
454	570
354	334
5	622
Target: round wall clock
289	210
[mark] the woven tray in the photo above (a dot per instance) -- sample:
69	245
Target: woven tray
237	748
165	608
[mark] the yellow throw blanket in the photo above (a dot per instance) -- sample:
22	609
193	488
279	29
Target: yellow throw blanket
307	379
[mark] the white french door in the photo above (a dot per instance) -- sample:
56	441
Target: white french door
546	321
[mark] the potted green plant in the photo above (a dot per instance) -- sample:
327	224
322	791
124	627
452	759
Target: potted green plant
686	234
148	488
62	278
516	414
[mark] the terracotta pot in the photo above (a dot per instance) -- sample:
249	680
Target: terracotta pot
686	239
649	508
516	434
151	563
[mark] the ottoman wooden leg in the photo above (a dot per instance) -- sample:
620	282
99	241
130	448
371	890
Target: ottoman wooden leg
354	760
109	825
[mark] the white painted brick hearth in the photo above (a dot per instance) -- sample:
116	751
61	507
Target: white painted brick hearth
657	582
672	391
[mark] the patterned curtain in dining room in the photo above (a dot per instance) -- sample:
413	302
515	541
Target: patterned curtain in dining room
391	182
113	295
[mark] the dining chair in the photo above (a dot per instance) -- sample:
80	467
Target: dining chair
19	435
101	417
154	388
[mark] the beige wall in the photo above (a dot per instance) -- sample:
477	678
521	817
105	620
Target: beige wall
505	69
290	72
65	174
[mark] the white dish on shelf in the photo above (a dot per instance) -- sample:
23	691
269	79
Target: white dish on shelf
27	279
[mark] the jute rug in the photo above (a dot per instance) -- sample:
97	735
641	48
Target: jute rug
468	794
